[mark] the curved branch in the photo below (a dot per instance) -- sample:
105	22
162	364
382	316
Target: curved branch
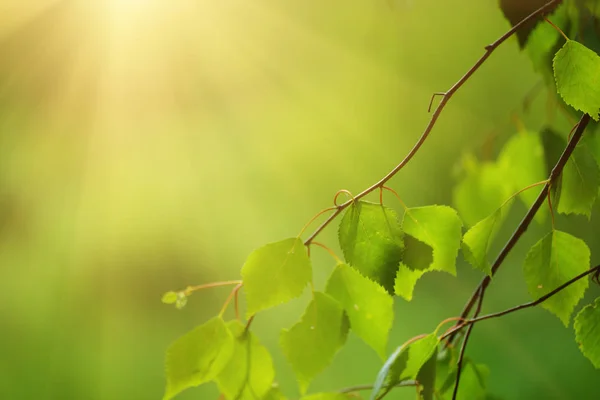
446	96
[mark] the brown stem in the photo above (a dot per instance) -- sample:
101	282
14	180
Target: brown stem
446	96
525	305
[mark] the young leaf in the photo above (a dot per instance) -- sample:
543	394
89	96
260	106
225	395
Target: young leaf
522	158
552	261
577	75
332	396
170	298
369	307
439	227
587	332
311	344
405	363
477	240
198	356
275	273
481	191
372	241
580	181
249	374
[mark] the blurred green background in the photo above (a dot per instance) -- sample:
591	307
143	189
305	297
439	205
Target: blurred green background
149	145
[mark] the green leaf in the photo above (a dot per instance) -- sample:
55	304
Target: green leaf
587	332
310	345
577	75
275	274
417	255
439	227
198	356
369	307
372	241
473	380
170	298
552	261
426	377
580	181
481	191
405	363
406	279
249	374
522	158
478	239
332	396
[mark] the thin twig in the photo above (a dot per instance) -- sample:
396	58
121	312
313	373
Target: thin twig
525	305
556	171
489	49
463	348
190	289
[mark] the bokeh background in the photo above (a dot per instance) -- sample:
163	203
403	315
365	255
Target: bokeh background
146	145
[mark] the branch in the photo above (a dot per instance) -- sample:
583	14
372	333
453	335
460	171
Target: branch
556	171
446	96
463	348
523	306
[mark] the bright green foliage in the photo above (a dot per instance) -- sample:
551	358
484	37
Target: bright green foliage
551	262
170	298
477	240
249	374
577	75
439	227
416	260
372	241
311	344
275	273
481	191
198	356
587	332
369	307
419	352
522	158
405	363
332	396
417	254
406	279
580	181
